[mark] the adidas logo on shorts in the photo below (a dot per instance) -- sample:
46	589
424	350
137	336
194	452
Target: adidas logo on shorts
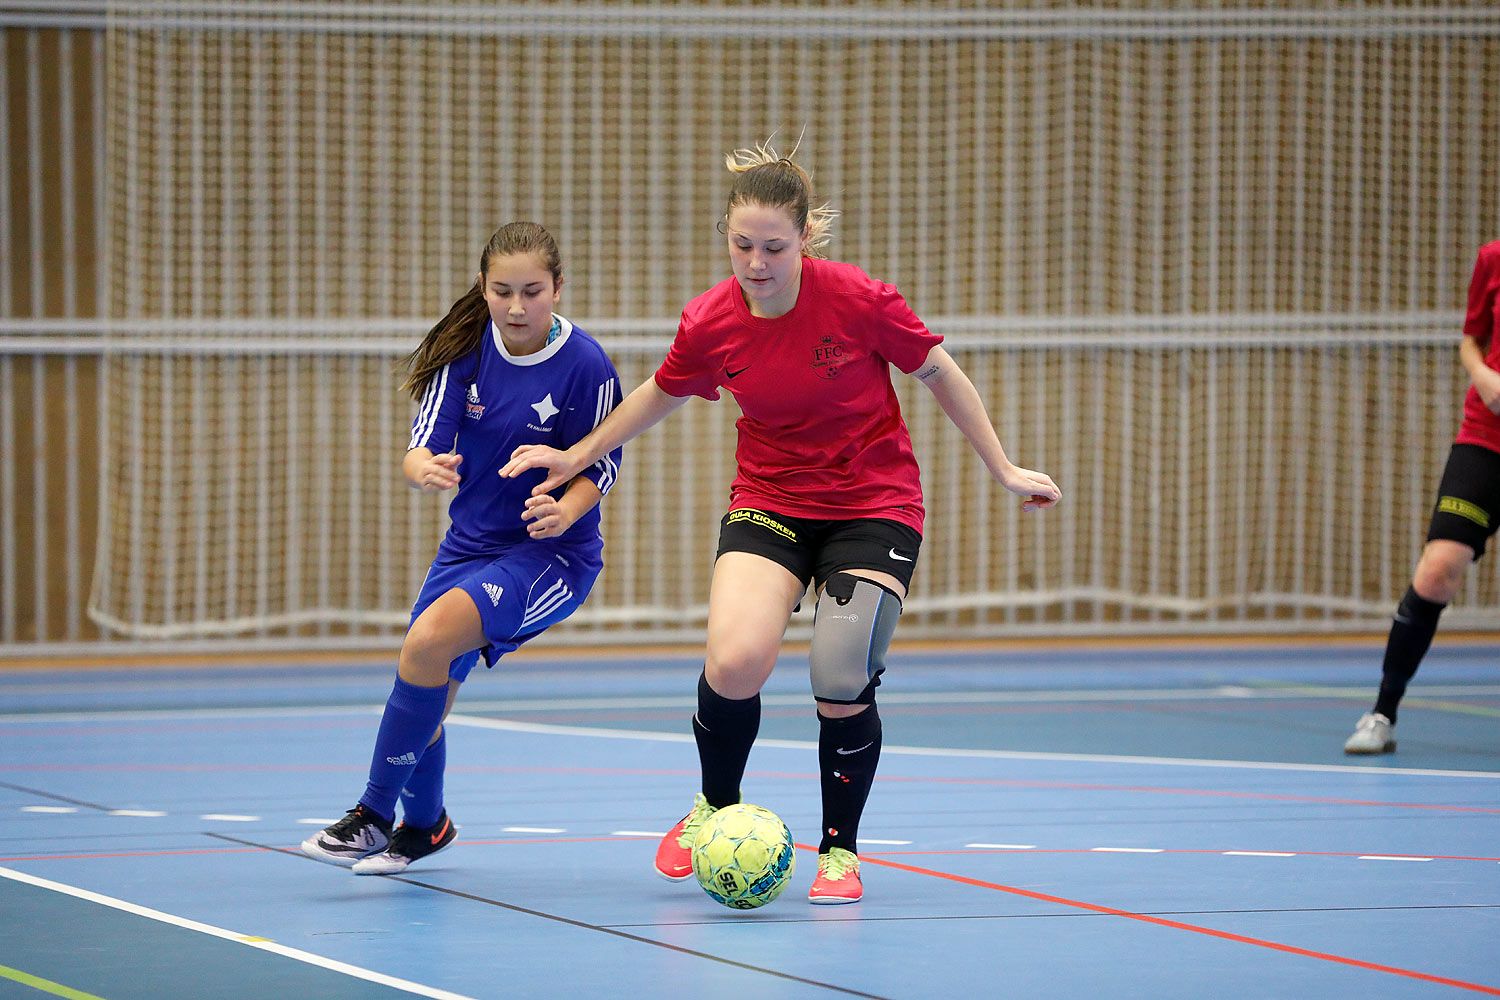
406	758
494	590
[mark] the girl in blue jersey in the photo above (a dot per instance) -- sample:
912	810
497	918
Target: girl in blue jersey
499	371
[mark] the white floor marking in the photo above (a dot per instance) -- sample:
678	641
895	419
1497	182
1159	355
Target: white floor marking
508	725
313	821
532	829
136	812
1004	847
1258	854
1128	850
1389	857
49	809
894	843
230	818
639	833
245	939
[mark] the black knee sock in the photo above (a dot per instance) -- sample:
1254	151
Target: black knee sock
848	753
1411	633
725	729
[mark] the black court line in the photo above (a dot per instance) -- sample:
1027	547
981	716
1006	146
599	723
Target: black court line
1033	916
602	929
55	797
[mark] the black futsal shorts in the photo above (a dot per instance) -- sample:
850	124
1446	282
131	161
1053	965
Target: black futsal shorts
1468	503
815	549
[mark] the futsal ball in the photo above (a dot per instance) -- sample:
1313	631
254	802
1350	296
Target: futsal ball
743	856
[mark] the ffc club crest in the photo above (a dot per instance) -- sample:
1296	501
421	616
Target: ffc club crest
828	358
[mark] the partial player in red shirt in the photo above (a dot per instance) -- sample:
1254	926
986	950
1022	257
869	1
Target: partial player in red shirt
1463	519
827	489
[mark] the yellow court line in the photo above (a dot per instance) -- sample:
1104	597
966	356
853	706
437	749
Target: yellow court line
45	985
1314	690
1454	706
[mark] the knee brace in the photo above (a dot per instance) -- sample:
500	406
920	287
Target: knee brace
852	629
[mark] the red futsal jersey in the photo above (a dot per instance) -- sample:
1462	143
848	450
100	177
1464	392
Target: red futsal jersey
1482	322
821	434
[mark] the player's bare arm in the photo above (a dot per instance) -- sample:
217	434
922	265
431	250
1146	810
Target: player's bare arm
959	399
1486	380
639	411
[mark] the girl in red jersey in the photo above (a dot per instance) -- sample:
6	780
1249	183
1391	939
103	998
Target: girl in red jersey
1465	516
827	489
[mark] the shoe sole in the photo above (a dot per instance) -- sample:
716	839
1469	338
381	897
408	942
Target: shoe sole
673	878
316	852
1371	751
373	870
833	900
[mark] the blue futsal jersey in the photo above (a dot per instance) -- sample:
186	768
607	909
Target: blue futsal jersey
489	402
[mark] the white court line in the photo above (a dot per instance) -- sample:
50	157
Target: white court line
532	829
660	737
1236	692
49	809
1128	850
245	939
230	818
1258	854
1389	857
663	737
890	843
1004	847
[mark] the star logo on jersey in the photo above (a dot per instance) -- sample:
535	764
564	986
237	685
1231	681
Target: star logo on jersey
545	409
473	409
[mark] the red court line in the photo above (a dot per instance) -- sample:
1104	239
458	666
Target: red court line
1177	850
678	772
1179	925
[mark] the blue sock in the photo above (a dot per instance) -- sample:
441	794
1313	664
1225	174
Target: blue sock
422	798
412	715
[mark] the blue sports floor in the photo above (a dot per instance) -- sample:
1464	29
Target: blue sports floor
1091	821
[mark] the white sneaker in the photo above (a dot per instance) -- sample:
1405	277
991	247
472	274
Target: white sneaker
1373	733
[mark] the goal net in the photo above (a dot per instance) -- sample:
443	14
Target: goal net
1205	264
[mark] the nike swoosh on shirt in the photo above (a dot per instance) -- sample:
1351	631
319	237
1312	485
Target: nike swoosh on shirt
738	373
897	555
856	750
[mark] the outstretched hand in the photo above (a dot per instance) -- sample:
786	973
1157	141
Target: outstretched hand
561	468
1037	487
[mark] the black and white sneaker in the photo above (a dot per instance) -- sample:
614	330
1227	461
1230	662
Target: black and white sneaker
408	844
359	834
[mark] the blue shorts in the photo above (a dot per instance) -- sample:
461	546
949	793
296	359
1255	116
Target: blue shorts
520	591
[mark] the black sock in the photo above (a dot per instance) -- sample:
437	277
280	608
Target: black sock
848	752
1411	633
725	729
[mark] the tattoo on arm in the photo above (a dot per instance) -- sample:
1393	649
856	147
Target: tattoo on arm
927	373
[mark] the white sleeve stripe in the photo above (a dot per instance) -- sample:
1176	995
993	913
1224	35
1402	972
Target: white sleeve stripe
432	402
605	402
608	468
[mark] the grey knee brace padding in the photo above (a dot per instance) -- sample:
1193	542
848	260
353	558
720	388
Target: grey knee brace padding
851	632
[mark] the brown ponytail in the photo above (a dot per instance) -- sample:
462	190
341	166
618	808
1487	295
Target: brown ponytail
458	333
